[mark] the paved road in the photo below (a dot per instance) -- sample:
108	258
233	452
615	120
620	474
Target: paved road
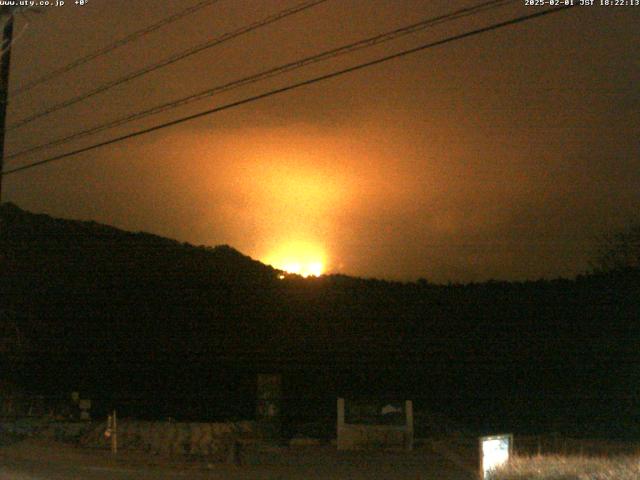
35	470
49	462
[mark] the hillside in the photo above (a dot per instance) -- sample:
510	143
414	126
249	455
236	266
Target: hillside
166	328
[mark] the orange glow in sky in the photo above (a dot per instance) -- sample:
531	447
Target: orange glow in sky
301	258
298	204
288	193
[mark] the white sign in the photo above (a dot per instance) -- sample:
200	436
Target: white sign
494	452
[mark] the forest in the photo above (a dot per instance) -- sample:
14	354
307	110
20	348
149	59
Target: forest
166	329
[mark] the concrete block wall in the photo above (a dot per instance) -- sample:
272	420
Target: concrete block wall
362	436
353	437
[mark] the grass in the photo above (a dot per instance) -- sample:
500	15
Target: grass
570	467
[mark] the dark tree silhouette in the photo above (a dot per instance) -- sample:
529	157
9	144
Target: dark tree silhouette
619	251
169	329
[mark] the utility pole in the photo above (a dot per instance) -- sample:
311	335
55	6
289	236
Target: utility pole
7	37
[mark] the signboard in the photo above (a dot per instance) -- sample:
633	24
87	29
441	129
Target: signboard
372	412
495	451
374	424
269	404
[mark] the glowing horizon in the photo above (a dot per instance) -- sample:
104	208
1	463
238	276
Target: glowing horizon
299	258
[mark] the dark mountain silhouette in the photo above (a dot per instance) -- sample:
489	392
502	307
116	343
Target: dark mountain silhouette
158	327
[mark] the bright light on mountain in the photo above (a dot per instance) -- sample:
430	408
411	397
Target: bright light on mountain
300	258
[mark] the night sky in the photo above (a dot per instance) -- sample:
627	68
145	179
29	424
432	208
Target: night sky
497	156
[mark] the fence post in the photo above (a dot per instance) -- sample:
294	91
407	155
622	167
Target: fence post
114	433
340	424
408	408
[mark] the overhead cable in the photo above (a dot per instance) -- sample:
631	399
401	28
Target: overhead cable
168	61
288	88
272	72
119	43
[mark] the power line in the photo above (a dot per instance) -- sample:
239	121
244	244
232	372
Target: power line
332	53
170	60
119	43
5	62
294	86
15	38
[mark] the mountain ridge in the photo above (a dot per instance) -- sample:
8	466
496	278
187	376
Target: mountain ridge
24	225
112	312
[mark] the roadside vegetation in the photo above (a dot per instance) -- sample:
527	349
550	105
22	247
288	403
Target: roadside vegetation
570	467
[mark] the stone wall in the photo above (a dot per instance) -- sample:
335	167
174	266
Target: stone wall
215	441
